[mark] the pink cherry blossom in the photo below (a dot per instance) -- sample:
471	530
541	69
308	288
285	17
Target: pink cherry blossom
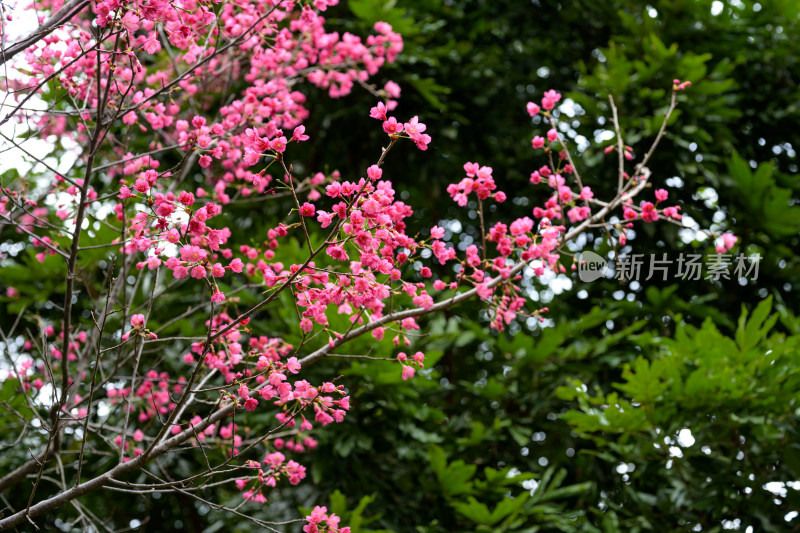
137	321
374	172
278	144
307	209
250	404
391	126
729	240
378	112
649	212
550	99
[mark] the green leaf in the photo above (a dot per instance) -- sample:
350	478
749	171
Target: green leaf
475	511
438	460
751	332
454	478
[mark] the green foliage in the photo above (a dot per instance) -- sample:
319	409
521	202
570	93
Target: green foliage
523	511
704	415
767	205
17	410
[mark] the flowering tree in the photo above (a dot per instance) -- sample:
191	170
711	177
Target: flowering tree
137	309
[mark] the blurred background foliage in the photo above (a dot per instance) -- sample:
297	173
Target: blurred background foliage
653	406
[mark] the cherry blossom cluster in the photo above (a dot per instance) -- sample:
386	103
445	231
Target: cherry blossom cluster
277	467
413	129
319	521
284	43
409	365
479	180
578	203
218	86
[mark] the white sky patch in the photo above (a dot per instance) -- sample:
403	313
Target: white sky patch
709	196
560	284
570	108
674	451
685	437
691	232
531	485
603	135
777	488
11	157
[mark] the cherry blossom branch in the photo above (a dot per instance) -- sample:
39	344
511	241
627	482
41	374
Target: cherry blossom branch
206	59
620	144
290	179
466	295
672	105
69	10
564	143
247	314
34	90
